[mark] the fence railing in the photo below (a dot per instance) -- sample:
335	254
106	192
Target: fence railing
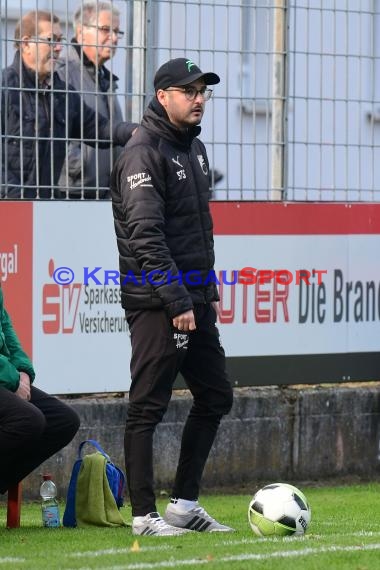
295	117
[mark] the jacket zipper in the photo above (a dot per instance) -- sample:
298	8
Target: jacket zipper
200	216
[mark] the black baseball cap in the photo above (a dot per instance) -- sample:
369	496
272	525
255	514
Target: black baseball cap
181	71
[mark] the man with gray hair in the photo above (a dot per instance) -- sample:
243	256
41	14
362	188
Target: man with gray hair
96	34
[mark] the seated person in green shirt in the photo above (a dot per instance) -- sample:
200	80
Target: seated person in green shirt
33	425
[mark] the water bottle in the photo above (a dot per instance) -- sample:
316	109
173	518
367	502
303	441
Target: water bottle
49	503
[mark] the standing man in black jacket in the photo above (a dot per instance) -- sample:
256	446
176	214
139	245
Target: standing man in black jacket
40	113
160	193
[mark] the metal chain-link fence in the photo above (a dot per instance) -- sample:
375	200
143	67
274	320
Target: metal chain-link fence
333	97
295	117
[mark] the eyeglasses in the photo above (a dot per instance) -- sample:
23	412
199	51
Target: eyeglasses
191	92
51	40
106	30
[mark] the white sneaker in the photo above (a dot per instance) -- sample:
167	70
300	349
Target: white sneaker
153	524
194	519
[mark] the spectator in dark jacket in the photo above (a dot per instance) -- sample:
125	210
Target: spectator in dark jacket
33	425
40	114
97	32
160	192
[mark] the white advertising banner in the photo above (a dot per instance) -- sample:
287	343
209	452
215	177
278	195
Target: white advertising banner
338	311
327	302
80	337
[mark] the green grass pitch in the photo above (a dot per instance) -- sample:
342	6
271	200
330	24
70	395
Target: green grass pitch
344	534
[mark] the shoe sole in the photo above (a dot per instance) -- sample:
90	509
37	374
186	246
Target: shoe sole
198	524
150	532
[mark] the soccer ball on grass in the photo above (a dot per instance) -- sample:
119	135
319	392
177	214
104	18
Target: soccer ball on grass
279	509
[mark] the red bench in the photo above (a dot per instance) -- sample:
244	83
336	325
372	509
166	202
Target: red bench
14	506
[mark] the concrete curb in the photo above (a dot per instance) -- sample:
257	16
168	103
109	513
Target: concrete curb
272	433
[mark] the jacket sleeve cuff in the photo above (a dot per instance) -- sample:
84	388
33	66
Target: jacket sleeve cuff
29	371
178	307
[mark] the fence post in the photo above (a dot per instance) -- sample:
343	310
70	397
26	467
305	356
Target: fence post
137	27
278	99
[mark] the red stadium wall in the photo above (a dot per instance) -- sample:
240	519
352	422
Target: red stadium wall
16	266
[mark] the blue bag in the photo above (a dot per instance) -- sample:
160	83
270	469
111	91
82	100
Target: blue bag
115	477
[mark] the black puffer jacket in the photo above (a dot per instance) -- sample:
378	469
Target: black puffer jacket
26	111
160	193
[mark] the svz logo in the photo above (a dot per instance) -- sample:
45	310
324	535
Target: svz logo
181	174
59	306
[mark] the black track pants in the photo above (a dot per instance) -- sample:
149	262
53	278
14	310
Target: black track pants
31	432
159	352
